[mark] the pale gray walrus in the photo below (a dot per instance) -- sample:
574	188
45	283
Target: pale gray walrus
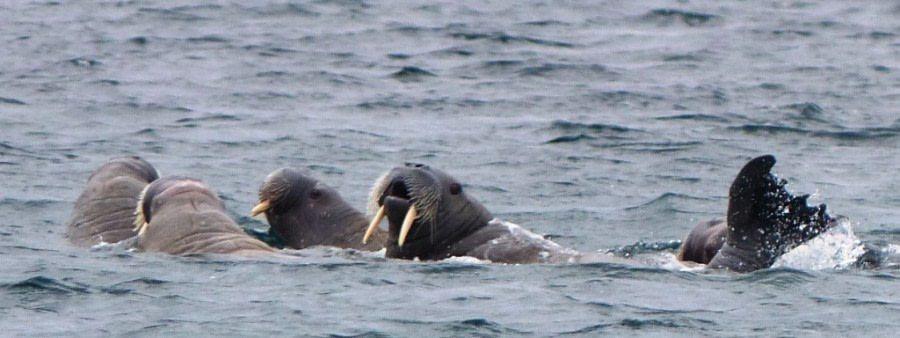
105	210
178	215
303	212
432	218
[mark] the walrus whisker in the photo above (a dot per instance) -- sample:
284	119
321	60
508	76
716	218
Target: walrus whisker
262	207
407	224
374	224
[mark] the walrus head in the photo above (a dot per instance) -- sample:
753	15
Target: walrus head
427	210
304	211
103	211
155	194
133	166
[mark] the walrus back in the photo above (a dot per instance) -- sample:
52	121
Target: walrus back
105	210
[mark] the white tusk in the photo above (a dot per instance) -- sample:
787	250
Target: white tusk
407	224
262	207
374	225
142	229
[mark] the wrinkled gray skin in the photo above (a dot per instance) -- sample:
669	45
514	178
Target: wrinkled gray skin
105	210
305	212
184	216
451	223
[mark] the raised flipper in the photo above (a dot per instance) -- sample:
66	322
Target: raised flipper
764	220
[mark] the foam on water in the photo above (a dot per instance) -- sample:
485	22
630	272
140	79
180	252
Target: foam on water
838	248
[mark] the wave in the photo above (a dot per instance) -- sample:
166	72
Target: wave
668	17
173	14
665	202
864	134
780	277
8	100
209	117
45	285
642	247
567	125
504	38
567	72
412	74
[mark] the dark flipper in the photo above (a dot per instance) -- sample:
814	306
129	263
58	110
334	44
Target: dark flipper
765	220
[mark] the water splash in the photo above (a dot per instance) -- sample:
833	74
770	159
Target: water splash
838	248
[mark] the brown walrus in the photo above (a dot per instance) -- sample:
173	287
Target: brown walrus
178	215
431	218
104	213
305	212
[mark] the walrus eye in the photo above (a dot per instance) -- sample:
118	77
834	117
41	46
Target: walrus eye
315	194
455	188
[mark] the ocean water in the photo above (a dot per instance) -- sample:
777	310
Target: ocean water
606	125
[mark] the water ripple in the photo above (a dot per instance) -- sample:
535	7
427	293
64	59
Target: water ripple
779	277
667	17
8	100
504	38
45	285
864	134
412	74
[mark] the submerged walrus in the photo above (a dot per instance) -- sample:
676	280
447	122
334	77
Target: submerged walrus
432	218
305	212
178	215
105	210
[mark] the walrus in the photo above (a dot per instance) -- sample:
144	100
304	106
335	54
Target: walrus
180	215
305	212
431	218
703	242
104	212
763	222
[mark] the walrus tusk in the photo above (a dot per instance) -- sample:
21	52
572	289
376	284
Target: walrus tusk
374	225
407	224
142	229
260	208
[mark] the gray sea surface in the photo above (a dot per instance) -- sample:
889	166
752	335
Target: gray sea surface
605	125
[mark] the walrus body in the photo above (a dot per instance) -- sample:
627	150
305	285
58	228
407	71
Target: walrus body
104	213
180	216
432	218
305	212
703	242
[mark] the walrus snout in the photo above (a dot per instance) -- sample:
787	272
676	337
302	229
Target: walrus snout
414	183
398	189
281	189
